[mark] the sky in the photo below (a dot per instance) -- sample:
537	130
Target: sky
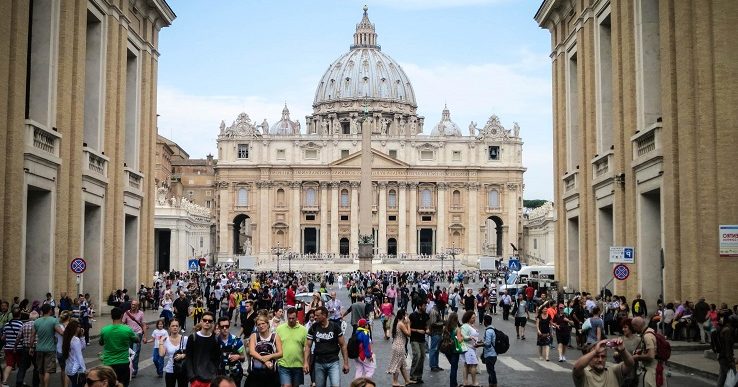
480	57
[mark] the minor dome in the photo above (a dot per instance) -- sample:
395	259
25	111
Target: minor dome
285	126
446	127
364	72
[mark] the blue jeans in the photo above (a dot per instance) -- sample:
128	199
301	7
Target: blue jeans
328	374
453	359
490	361
292	376
136	348
435	340
158	362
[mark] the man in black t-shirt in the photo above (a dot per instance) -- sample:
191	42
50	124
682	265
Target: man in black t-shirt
418	329
182	309
328	340
469	300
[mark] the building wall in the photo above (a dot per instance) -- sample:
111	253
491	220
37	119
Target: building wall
539	245
66	191
647	114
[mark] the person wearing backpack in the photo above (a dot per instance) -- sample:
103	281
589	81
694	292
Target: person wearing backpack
365	364
652	368
489	354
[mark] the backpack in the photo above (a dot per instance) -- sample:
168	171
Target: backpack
263	347
352	346
663	347
502	342
447	346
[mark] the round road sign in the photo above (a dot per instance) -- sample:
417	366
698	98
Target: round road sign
203	262
621	272
78	265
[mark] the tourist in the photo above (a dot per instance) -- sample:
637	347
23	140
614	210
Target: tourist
363	382
102	376
489	354
521	314
400	334
435	327
134	318
156	336
562	324
203	357
630	342
470	336
265	349
11	336
387	309
365	363
726	354
597	326
590	370
357	311
293	336
44	329
116	339
334	307
507	303
223	381
645	355
181	309
543	328
172	348
64	317
167	311
418	329
329	341
71	356
232	351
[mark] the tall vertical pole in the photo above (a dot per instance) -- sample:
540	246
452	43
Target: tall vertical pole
365	189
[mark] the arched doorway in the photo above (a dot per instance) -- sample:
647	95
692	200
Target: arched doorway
392	246
242	235
494	235
343	246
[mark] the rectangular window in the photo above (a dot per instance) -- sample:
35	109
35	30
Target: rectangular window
393	153
603	67
310	217
493	152
208	204
93	80
208	193
344	153
243	197
311	154
535	244
41	59
344	217
201	242
392	218
243	151
426	155
456	156
281	154
572	113
132	109
345	128
426	218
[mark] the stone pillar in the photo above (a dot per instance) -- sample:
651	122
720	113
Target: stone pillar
225	250
263	226
354	240
323	217
473	238
412	245
402	218
295	210
382	215
441	231
334	218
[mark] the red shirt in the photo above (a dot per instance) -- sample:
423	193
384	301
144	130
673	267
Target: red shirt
529	292
290	297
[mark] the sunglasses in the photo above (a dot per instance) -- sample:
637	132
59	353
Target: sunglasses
207	321
225	326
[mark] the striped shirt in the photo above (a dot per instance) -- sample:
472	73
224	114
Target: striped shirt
11	331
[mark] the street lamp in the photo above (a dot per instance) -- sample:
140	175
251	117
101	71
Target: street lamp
453	251
290	255
442	256
277	250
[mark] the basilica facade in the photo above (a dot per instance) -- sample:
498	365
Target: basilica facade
294	188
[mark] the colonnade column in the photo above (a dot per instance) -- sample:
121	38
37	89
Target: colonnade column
224	236
264	228
402	218
334	217
473	241
382	215
412	245
295	214
323	217
354	240
441	217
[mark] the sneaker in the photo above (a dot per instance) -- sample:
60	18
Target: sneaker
561	360
522	337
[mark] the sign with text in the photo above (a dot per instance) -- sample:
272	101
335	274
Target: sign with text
728	240
622	254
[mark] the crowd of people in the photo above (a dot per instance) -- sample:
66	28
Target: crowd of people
293	328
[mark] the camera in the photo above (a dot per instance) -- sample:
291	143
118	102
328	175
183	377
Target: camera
610	344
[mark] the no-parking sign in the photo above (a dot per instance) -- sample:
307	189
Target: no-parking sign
78	265
621	272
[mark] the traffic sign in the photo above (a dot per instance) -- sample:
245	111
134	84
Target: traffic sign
514	265
193	264
203	262
622	254
621	272
78	265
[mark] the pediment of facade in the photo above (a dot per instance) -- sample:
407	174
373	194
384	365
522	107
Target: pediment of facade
379	160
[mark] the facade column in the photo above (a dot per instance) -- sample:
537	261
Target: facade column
513	207
354	240
402	218
323	217
295	211
225	249
334	218
473	240
441	231
412	245
264	228
382	215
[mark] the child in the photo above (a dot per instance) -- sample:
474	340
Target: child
157	335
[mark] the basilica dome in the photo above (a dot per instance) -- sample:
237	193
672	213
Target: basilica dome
285	126
446	127
365	72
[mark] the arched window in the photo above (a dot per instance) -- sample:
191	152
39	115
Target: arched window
243	197
280	197
493	199
392	199
426	198
310	197
456	198
344	198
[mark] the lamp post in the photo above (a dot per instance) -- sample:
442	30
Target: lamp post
442	256
289	260
453	251
277	250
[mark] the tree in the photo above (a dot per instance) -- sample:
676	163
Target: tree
533	203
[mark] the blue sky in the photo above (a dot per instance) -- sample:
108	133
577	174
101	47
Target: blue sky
481	57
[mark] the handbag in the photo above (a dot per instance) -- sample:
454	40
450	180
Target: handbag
179	365
731	379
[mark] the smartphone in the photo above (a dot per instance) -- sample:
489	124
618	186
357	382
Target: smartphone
610	344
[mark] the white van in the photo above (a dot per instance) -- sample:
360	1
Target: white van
536	272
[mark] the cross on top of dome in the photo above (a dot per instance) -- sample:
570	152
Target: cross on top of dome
365	35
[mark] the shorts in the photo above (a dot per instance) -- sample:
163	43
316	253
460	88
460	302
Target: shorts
46	362
291	375
564	338
12	358
520	321
470	357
